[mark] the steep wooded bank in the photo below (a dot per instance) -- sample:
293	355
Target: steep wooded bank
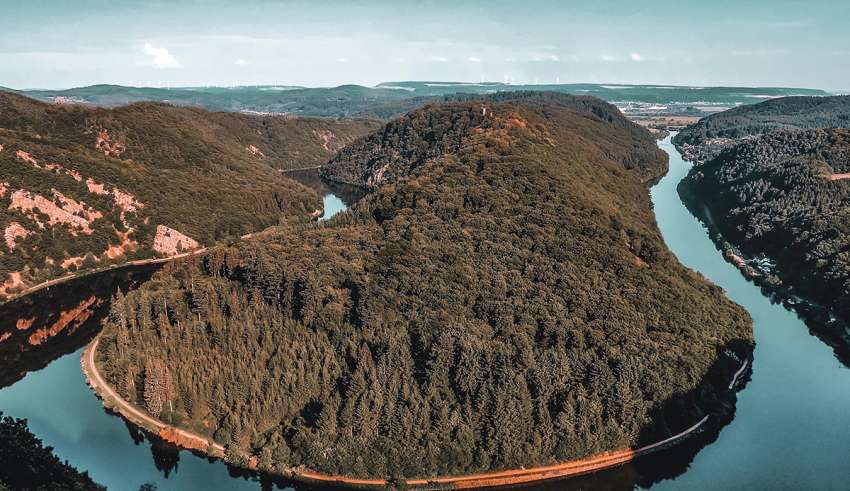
83	187
785	195
502	298
704	140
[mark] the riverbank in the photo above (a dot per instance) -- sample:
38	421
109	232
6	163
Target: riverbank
822	320
78	276
198	443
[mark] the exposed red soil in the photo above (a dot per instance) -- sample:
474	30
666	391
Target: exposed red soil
110	148
14	282
378	177
27	202
62	170
23	324
76	207
13	232
126	201
126	244
256	152
171	242
171	435
327	138
838	177
26	157
95	187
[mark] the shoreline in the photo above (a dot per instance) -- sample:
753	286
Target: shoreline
819	318
78	276
198	443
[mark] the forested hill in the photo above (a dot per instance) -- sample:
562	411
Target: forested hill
705	139
83	187
786	195
420	136
502	298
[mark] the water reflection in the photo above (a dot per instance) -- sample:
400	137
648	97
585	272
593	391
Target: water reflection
336	196
789	428
55	321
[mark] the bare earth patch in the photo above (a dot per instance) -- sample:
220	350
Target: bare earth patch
171	242
13	232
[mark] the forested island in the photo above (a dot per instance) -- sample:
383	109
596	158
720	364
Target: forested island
502	297
83	188
784	196
704	140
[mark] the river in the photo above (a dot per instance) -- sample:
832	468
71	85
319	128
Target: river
790	430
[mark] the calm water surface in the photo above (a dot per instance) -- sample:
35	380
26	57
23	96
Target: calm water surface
791	426
790	430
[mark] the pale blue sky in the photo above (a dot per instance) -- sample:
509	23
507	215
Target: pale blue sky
56	44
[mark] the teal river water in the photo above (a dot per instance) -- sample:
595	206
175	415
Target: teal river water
790	430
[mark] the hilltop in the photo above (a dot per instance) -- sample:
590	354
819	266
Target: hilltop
84	187
708	137
502	297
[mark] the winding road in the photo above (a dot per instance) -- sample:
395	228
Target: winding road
195	441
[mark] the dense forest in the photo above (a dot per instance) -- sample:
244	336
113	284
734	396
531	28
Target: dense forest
27	465
83	187
402	145
502	297
705	139
785	195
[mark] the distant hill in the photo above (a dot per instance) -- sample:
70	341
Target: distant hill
394	98
613	92
502	297
82	187
785	195
706	138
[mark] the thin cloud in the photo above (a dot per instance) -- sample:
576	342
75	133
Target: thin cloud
439	59
545	57
343	60
240	62
636	57
759	53
160	57
474	59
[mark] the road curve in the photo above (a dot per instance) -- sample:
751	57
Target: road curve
198	442
127	410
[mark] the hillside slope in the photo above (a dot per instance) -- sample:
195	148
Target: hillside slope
82	187
708	137
785	195
501	298
412	140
